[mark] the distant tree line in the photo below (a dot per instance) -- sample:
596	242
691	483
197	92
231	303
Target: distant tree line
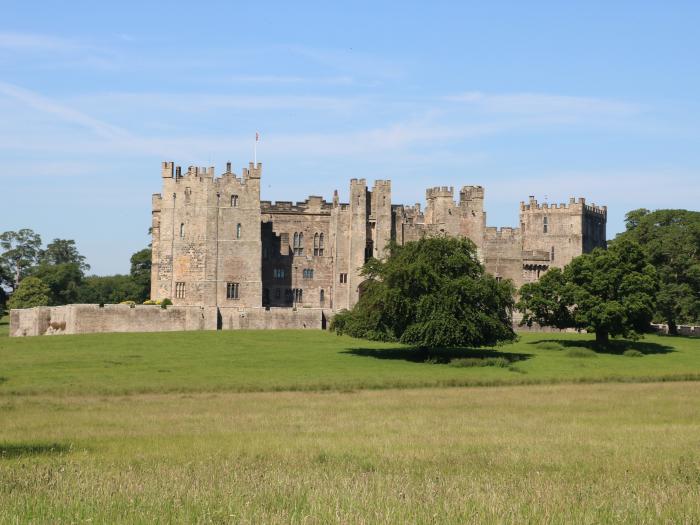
57	274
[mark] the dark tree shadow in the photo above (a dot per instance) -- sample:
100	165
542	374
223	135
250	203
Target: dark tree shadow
17	450
616	347
437	356
3	379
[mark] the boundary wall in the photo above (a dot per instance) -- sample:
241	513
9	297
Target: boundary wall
92	318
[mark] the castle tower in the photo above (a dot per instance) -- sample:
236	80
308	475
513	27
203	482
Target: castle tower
472	215
358	238
441	211
380	219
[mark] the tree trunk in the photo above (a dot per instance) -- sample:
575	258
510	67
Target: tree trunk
672	328
601	338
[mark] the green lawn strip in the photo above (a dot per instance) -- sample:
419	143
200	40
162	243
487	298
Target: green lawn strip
280	360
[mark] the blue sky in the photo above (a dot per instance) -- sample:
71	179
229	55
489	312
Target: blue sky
593	99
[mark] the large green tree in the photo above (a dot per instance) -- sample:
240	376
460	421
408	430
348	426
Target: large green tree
431	293
670	240
109	289
20	252
64	280
609	292
31	292
141	273
63	251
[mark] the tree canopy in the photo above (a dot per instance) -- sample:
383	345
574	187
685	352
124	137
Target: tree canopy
141	273
431	293
63	251
670	240
20	252
31	292
609	292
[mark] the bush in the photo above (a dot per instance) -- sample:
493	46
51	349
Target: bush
130	303
149	302
500	362
31	292
578	351
165	303
632	353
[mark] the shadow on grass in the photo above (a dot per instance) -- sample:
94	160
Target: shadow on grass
18	450
616	347
3	379
438	356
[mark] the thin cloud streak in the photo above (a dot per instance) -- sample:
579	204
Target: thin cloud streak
64	113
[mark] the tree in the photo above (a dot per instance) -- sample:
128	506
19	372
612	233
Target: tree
432	293
670	240
141	273
21	250
63	279
609	292
63	251
109	289
31	292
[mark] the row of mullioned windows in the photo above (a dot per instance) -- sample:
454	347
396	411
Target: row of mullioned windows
308	273
179	290
232	290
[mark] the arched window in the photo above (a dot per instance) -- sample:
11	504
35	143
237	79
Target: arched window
182	230
320	245
298	245
238	230
234	201
315	244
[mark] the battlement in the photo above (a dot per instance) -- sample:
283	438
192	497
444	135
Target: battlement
358	182
200	173
439	191
577	205
505	232
382	184
314	204
468	193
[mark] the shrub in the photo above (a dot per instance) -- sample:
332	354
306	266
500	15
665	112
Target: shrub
465	362
578	351
632	353
165	303
149	301
132	304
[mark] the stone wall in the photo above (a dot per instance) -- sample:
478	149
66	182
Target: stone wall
685	330
91	318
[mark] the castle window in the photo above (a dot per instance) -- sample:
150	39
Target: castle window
232	290
179	290
316	245
322	297
320	245
545	224
551	257
182	230
278	273
234	201
298	244
343	278
238	230
298	295
308	273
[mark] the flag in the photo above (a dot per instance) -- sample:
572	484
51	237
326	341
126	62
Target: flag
257	137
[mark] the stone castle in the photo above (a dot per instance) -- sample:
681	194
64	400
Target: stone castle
229	260
216	243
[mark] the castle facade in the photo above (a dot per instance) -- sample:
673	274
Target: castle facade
217	244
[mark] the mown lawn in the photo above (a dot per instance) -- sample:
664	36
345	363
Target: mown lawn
600	453
245	361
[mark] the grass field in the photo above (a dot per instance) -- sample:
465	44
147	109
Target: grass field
602	453
281	427
245	361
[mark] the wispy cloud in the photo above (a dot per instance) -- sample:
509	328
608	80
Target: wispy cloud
290	79
34	41
62	112
544	104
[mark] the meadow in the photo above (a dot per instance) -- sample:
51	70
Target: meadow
250	361
308	427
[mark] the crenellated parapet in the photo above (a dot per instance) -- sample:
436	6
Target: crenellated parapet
447	192
574	204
